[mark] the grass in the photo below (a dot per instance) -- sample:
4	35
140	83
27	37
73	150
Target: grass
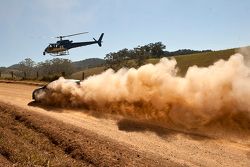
87	72
200	59
183	62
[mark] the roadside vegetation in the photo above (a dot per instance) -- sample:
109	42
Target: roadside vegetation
88	72
50	70
201	59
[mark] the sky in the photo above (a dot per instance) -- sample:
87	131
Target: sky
26	26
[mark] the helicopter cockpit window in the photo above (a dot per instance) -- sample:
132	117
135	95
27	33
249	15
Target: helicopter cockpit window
53	45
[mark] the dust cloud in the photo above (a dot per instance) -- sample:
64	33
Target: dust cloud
155	92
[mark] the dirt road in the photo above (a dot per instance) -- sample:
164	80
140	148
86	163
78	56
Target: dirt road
112	141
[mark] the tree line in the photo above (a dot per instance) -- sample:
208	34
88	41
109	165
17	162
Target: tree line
46	70
134	57
51	69
137	56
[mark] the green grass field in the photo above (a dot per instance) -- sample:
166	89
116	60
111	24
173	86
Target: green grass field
201	59
183	62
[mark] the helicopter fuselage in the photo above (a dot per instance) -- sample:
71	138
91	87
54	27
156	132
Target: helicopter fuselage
61	47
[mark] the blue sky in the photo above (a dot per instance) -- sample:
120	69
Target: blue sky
195	24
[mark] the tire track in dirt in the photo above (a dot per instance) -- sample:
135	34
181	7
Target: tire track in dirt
155	144
4	162
23	146
73	144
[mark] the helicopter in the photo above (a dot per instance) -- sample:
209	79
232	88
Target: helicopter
61	47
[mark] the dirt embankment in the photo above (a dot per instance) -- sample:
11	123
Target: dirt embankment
31	139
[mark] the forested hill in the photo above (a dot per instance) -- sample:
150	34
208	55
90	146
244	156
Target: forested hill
79	65
88	63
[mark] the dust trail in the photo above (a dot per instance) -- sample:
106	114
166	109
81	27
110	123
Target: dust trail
155	92
245	51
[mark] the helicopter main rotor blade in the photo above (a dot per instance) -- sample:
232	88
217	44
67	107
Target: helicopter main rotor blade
71	35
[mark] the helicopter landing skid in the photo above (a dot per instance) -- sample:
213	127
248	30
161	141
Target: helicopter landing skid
63	53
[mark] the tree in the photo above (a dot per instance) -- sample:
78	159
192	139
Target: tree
141	53
44	67
55	67
156	49
134	57
59	65
26	66
2	69
28	62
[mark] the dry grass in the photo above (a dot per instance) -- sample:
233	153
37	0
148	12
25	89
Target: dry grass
183	62
200	59
87	72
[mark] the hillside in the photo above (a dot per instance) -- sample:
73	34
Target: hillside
79	65
88	63
5	72
14	66
87	72
95	66
202	59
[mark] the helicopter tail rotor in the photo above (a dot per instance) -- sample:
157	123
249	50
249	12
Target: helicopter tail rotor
99	42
